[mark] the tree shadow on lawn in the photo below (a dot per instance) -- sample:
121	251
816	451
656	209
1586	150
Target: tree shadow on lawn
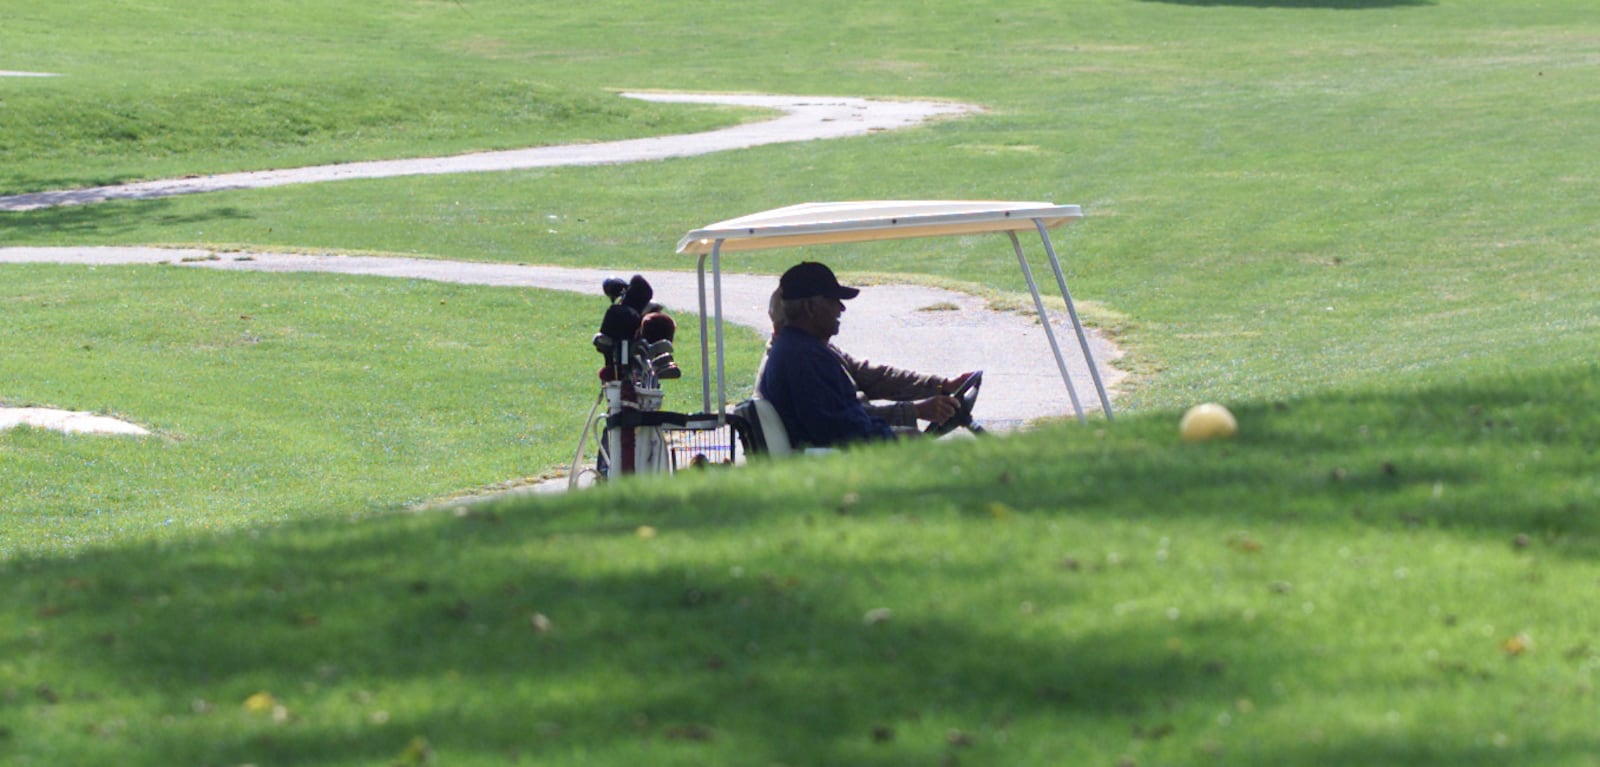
1534	748
474	633
17	185
1489	458
431	621
104	219
1341	5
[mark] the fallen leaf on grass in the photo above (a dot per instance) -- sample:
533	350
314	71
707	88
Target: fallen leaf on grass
540	622
418	751
1154	733
698	733
260	702
1243	542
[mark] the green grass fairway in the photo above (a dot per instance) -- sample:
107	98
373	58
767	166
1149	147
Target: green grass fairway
1365	579
277	397
1365	225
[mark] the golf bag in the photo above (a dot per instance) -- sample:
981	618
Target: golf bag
633	434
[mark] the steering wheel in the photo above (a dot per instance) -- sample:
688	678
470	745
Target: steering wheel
966	396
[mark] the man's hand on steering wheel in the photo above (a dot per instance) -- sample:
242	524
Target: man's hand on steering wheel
953	385
937	409
965	396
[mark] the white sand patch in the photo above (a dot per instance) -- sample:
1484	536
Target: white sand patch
70	421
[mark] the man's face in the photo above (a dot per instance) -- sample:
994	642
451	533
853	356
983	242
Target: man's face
827	320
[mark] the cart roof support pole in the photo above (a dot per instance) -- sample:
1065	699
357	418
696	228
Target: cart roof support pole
706	335
722	371
1072	311
1049	332
705	338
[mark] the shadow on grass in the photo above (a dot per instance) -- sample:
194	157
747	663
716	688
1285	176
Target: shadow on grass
1490	459
1377	749
426	627
12	184
1339	5
103	219
484	637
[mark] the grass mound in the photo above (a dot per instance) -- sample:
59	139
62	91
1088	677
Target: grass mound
1287	201
1370	577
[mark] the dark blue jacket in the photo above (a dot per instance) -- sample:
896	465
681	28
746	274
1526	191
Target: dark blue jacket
808	386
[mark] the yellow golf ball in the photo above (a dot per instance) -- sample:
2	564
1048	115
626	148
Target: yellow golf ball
1208	421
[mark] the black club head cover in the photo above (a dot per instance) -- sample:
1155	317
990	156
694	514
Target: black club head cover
638	295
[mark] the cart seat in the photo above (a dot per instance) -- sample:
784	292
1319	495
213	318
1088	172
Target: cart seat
767	435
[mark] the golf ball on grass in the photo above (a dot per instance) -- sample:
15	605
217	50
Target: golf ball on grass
1208	421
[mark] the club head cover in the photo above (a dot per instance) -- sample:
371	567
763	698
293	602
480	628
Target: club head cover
657	326
614	287
637	296
620	323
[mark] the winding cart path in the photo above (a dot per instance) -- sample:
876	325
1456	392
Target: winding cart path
907	325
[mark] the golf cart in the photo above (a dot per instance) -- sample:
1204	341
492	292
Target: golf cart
634	435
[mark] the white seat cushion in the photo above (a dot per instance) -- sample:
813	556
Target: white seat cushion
772	431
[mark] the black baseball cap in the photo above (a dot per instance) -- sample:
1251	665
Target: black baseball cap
808	279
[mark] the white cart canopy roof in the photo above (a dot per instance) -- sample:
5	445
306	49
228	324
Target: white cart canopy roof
820	223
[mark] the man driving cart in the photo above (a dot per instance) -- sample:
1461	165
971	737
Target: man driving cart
814	386
901	397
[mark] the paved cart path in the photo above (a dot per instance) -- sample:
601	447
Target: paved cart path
802	118
915	327
922	328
